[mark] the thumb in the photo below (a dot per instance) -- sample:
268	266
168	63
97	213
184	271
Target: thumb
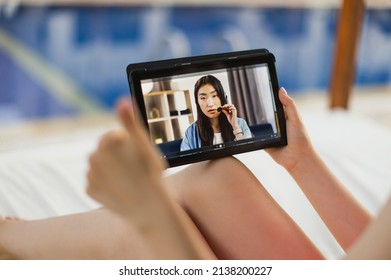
291	111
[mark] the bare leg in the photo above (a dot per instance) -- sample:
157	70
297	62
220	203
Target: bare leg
232	210
236	215
226	203
98	234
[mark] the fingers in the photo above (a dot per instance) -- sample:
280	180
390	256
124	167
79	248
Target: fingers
229	110
291	110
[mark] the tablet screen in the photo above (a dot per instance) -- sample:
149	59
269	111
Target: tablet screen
213	108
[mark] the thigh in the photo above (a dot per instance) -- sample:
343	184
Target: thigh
236	215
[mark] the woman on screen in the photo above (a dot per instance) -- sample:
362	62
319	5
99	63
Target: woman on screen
217	119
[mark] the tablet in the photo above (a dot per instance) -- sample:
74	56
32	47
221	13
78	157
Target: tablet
205	107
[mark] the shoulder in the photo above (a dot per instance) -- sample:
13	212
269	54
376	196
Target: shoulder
245	128
191	128
242	122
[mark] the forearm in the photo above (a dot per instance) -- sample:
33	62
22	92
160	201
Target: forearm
340	211
375	243
238	132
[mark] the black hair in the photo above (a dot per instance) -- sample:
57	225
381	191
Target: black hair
204	127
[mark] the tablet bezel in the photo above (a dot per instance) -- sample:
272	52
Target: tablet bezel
165	68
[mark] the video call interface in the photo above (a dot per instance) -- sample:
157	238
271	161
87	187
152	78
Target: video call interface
171	108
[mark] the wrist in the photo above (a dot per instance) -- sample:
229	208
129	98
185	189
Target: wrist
304	164
237	130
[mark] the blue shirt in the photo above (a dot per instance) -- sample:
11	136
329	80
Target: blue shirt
192	139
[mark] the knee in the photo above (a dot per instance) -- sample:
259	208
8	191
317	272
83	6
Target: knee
216	179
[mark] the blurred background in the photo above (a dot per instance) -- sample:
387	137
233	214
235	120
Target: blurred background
67	59
63	67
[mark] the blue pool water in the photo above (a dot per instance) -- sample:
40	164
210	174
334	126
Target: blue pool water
85	50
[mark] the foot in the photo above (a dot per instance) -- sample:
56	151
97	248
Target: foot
126	171
5	221
10	218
